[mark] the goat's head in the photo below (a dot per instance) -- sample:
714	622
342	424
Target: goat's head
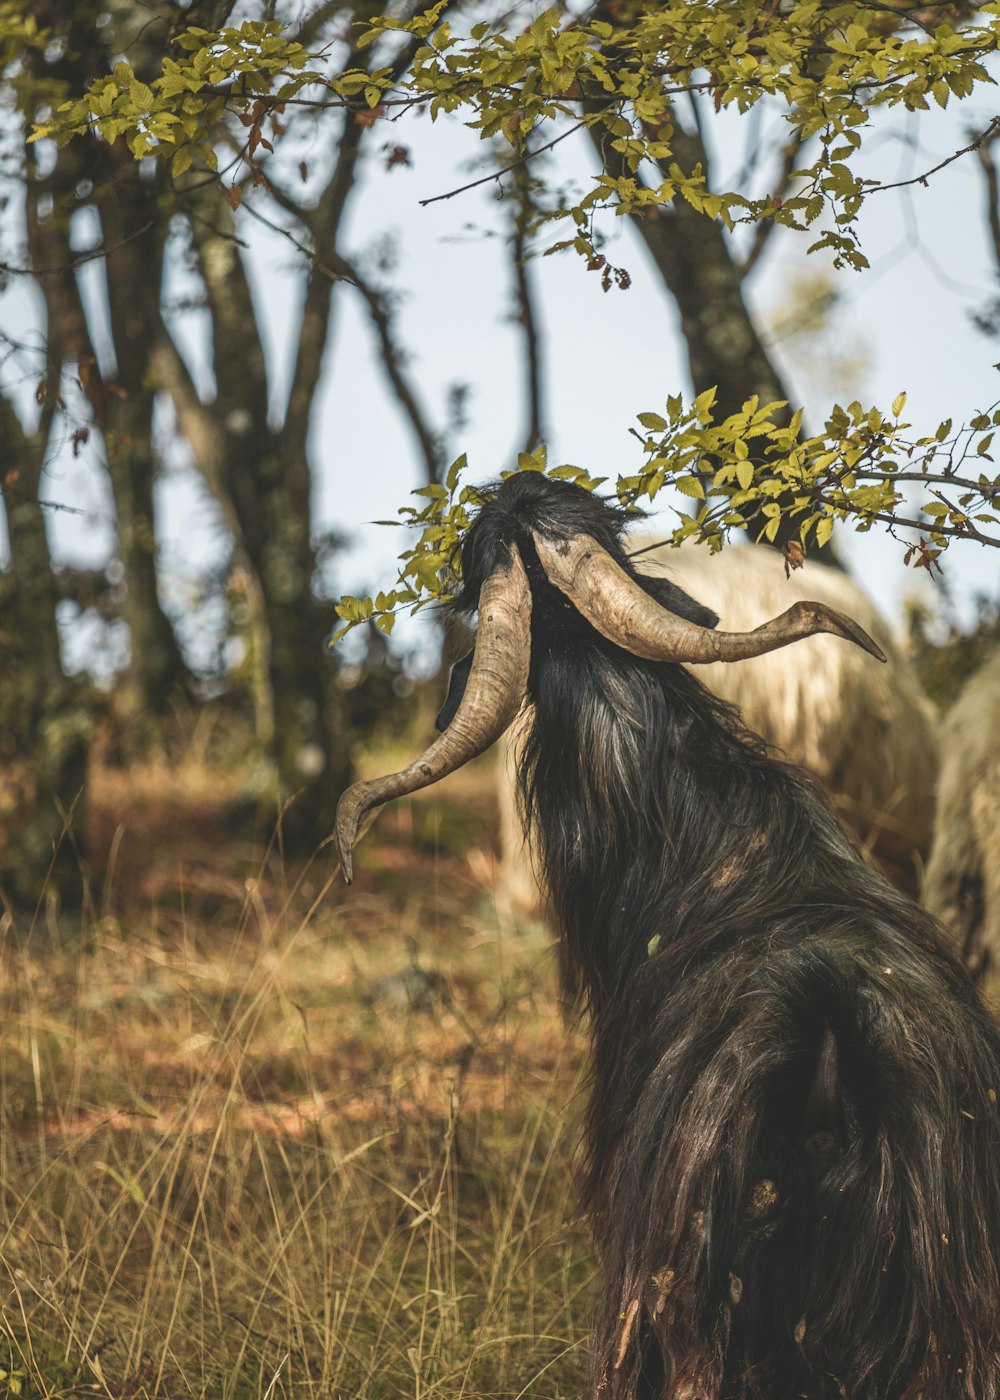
543	560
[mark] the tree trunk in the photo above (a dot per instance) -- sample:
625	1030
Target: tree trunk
693	258
157	674
134	234
724	351
45	717
261	473
270	491
133	222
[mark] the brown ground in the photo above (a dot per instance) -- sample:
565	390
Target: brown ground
269	1136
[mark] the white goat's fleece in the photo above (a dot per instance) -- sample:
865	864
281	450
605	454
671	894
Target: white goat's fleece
963	874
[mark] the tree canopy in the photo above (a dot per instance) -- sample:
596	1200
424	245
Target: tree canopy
831	66
620	70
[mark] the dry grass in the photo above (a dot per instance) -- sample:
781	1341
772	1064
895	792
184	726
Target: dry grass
266	1137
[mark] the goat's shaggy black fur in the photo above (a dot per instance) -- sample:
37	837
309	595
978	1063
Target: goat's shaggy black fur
793	1134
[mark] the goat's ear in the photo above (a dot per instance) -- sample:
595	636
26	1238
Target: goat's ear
458	678
668	595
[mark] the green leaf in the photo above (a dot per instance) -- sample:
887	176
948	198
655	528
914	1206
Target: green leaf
459	465
531	461
140	95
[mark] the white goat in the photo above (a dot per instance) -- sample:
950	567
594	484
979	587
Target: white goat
962	885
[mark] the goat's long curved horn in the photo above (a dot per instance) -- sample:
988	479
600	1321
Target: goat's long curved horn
621	610
493	695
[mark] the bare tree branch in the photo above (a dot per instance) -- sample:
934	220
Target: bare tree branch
312	24
985	154
68	332
281	197
527	317
987	134
338	268
499	174
70	264
765	227
381	317
198	422
324	224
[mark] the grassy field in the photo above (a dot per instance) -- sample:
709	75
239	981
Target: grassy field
266	1136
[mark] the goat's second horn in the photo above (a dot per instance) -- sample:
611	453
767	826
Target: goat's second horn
620	609
493	695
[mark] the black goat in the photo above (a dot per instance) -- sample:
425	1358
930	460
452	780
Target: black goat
793	1135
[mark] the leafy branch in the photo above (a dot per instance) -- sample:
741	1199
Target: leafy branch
430	568
829	66
861	469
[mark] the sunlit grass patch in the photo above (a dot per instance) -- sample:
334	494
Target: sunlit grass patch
320	1144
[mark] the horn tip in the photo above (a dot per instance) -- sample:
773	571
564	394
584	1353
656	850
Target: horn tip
860	637
826	619
346	858
346	831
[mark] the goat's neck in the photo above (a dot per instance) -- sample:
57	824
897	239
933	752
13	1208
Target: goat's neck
652	810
